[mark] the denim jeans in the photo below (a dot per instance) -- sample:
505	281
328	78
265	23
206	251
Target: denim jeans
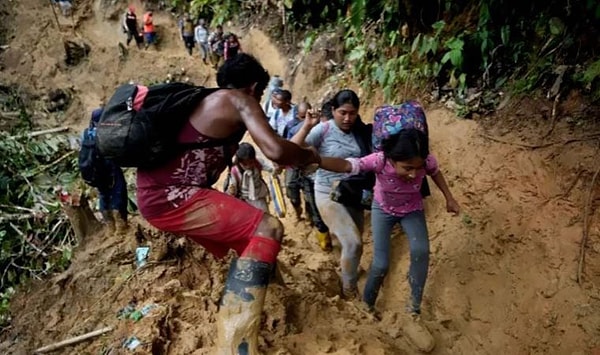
115	197
203	50
415	228
347	224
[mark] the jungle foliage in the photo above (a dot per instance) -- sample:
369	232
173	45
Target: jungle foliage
450	44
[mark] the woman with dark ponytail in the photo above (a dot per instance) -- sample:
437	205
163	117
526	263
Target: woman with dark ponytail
344	136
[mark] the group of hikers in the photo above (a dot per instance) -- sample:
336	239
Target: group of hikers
286	119
342	165
213	47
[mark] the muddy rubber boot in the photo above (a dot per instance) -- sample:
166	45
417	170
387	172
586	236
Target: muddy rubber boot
109	222
417	334
239	317
120	223
324	241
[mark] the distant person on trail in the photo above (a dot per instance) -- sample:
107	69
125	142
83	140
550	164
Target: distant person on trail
186	26
149	31
216	45
66	6
299	179
246	182
343	137
275	83
111	187
131	27
285	112
201	37
231	47
178	197
400	169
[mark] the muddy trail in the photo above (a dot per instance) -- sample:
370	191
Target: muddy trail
502	275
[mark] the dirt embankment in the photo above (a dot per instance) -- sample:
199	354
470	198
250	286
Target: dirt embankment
502	275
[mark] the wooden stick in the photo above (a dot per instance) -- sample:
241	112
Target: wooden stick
586	227
39	133
71	341
55	15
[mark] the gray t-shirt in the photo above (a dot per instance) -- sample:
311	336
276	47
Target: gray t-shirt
331	141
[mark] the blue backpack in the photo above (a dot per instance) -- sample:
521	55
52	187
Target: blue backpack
94	169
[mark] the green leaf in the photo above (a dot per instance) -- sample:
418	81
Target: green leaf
357	53
445	58
415	43
505	34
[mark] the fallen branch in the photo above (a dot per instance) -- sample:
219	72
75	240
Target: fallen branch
24	238
18	208
17	217
553	123
586	226
41	168
39	133
10	114
72	341
544	145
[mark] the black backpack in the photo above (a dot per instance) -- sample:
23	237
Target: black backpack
147	137
95	170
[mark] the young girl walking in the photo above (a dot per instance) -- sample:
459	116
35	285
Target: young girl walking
400	169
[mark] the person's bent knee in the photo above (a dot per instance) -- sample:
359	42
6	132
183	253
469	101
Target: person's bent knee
353	248
379	269
270	227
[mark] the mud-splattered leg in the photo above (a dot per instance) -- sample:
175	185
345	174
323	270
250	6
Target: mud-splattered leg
244	295
341	223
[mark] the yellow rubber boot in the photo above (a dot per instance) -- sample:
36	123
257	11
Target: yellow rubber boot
324	241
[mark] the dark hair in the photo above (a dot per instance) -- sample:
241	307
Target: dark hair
242	71
286	95
345	97
245	152
407	144
219	27
327	110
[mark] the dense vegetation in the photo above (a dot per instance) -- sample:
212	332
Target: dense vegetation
35	236
450	44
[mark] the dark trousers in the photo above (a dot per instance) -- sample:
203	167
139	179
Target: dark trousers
114	197
189	43
295	180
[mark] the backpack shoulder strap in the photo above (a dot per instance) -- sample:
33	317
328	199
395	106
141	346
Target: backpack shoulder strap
326	129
